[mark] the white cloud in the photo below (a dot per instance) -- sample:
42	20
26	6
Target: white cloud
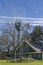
37	24
32	21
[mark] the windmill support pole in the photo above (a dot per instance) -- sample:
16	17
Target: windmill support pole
18	36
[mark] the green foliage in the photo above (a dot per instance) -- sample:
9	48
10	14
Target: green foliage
37	34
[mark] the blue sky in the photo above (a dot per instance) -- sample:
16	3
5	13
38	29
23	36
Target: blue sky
21	8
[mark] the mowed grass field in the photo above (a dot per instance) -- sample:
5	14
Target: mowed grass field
5	62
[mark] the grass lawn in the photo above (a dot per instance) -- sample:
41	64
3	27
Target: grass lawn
4	62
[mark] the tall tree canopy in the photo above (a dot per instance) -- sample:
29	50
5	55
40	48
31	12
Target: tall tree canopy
37	35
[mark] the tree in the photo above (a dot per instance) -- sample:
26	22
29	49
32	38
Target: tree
8	35
36	35
27	25
25	35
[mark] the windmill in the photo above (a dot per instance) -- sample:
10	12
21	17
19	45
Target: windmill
18	28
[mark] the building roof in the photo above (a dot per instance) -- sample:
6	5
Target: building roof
34	48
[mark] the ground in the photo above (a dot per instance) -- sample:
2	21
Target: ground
4	62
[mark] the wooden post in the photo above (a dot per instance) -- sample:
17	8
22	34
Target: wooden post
42	55
15	55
